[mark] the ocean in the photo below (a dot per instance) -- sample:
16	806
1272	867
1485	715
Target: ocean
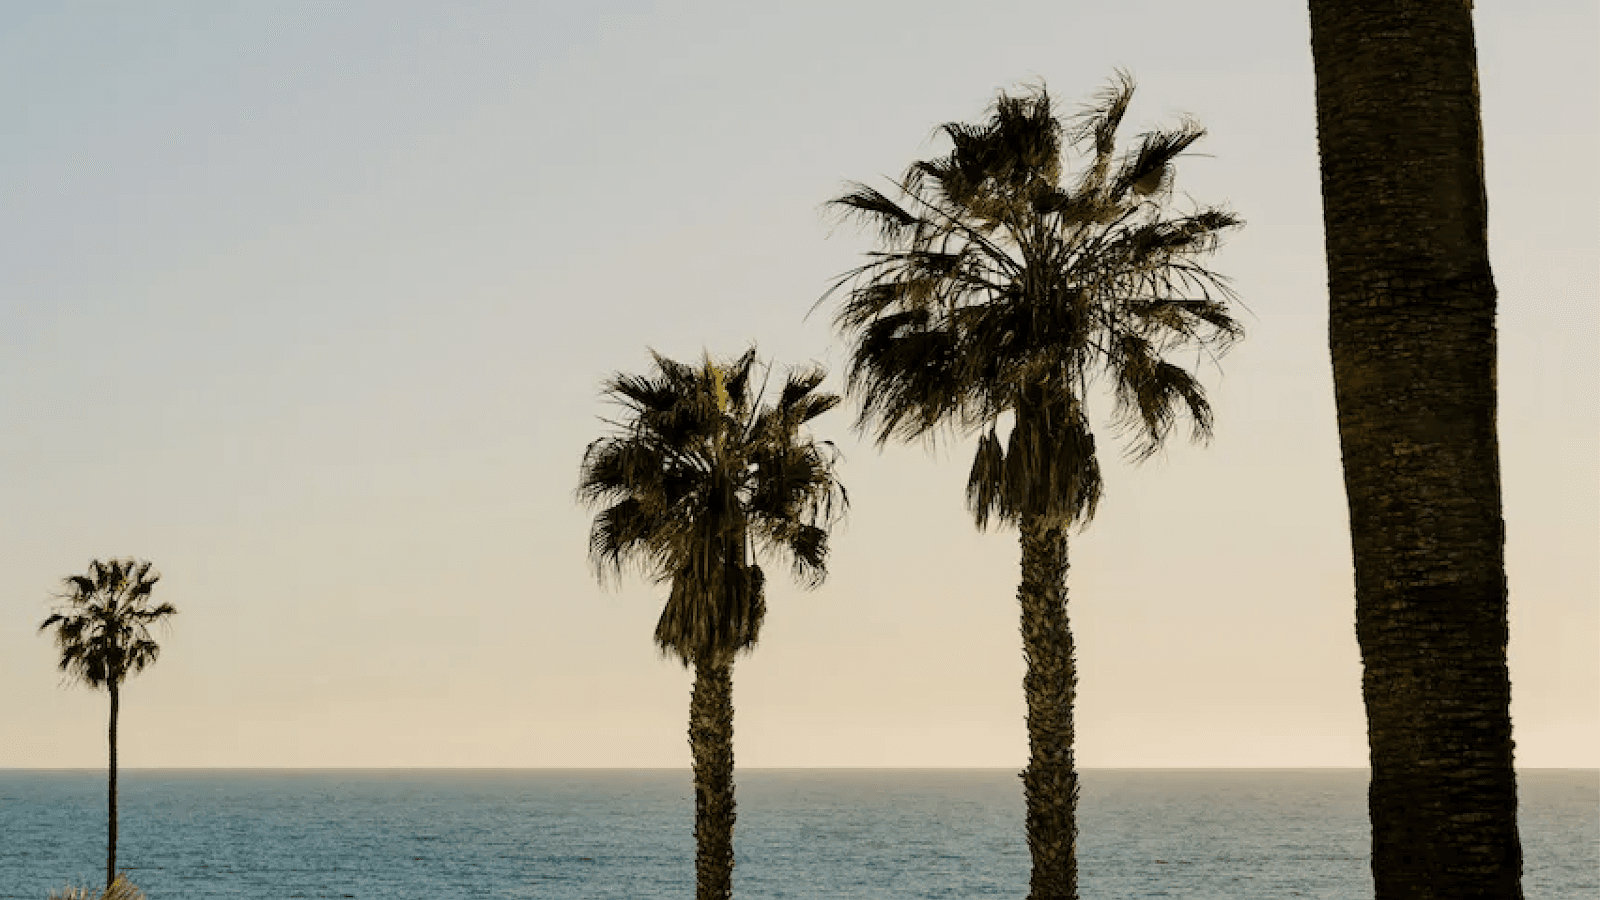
436	834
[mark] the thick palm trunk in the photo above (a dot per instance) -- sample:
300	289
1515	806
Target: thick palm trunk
111	797
711	744
1050	783
1412	334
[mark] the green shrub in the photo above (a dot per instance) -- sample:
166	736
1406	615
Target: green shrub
121	889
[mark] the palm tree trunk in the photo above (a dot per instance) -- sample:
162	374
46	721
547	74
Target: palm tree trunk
711	744
111	797
1412	334
1050	783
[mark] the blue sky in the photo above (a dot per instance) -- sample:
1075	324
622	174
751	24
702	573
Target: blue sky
310	304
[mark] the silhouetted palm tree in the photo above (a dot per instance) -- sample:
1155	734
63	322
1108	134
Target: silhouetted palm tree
1411	329
103	633
696	480
1002	290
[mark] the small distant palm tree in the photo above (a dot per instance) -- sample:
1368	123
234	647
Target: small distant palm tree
697	479
102	630
1002	291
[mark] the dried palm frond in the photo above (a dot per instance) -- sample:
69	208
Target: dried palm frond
121	889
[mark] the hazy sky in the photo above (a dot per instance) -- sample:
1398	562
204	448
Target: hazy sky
311	303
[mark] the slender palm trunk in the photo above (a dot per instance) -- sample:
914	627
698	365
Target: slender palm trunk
711	744
1050	783
111	797
1412	334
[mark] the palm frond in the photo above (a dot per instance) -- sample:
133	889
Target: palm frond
120	889
905	374
873	207
1151	393
1096	125
986	482
1149	167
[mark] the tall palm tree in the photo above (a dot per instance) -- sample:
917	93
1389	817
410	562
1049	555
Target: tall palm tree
1000	292
697	480
102	630
1411	328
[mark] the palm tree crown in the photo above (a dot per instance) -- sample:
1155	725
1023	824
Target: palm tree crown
697	480
102	631
1002	287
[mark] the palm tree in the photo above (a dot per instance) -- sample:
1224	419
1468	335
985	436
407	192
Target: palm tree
1000	292
696	480
103	634
1411	328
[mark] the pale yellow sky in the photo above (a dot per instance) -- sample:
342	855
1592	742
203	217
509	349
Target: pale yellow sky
312	306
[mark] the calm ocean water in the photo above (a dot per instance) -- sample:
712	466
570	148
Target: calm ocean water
802	833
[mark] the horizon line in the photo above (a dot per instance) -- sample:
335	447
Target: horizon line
120	769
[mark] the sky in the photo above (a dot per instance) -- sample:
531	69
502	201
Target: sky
311	304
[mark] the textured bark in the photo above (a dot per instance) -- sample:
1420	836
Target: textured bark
711	744
111	796
1412	334
1050	783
